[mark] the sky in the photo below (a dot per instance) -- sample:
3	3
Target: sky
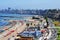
30	4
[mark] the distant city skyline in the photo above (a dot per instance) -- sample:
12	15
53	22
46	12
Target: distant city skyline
30	4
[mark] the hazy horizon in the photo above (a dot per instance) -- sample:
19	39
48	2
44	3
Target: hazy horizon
30	4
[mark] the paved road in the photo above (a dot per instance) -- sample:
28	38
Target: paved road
53	30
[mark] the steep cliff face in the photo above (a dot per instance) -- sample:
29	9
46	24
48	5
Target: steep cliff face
55	16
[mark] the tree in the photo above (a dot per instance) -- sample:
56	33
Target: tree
58	34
